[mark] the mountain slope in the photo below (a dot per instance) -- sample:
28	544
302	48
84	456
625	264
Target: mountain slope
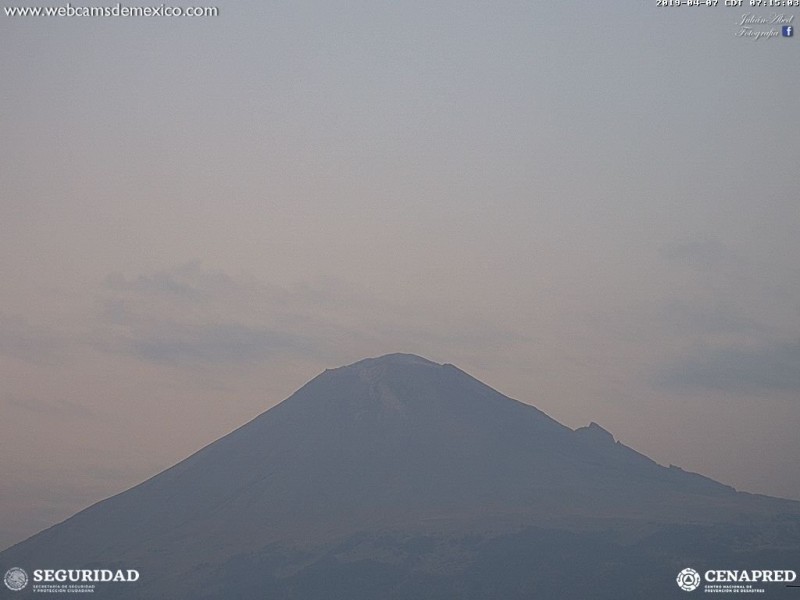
396	445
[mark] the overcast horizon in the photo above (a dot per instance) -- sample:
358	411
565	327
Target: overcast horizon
592	209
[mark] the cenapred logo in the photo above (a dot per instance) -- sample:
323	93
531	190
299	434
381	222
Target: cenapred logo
734	581
688	580
15	579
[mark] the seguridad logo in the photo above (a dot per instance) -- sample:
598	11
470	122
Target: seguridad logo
66	580
15	579
84	575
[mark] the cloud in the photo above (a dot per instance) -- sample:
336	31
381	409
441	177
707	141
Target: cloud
768	368
191	316
35	344
222	343
700	253
161	283
56	408
187	282
714	318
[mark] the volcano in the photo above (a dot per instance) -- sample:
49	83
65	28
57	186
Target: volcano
397	477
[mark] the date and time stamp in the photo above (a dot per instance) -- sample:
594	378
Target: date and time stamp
750	25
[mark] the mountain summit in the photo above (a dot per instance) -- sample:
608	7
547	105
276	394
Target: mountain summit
385	472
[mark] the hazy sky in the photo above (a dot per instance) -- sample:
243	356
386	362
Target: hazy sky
592	207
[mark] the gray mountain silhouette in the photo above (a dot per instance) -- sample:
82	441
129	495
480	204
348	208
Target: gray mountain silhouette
398	477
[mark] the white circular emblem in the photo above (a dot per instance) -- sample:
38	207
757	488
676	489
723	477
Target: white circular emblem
688	580
15	579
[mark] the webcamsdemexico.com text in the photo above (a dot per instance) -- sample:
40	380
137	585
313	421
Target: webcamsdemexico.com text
116	10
